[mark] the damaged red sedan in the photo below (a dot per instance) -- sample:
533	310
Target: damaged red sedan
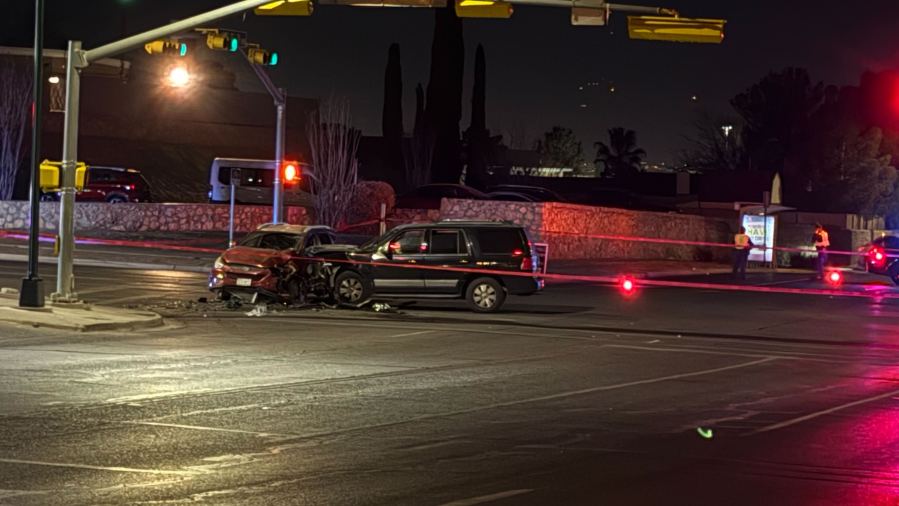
268	263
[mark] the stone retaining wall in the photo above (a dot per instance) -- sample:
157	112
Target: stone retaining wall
146	217
567	229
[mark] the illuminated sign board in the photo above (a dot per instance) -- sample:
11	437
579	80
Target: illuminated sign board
760	230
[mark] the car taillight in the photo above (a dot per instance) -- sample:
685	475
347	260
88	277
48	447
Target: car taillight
517	252
877	256
130	187
527	265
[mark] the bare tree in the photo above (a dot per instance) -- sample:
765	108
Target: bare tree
333	143
15	98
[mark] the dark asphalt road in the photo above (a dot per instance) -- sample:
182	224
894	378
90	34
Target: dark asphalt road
575	396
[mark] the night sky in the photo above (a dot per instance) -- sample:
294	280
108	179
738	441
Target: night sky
536	61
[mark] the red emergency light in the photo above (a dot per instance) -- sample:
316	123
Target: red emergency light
628	286
834	278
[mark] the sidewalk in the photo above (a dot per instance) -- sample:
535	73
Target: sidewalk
78	317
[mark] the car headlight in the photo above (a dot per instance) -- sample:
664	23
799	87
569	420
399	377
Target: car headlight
219	263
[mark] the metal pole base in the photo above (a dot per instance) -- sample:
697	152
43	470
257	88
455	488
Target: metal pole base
32	293
70	298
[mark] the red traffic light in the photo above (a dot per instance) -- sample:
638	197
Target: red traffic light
290	172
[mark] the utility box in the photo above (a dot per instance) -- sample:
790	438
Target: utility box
51	177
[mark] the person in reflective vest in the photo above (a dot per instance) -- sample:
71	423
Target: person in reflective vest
742	246
822	241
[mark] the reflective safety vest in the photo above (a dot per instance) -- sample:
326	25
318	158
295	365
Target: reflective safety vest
824	240
741	241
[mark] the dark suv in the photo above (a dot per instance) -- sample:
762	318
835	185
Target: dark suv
110	184
408	262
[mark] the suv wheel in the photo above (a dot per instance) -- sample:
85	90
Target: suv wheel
485	295
116	199
351	289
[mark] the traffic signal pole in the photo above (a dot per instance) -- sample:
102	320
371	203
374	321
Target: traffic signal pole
65	277
279	95
278	184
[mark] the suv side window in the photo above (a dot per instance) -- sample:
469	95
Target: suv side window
410	242
326	238
447	242
100	176
891	242
499	240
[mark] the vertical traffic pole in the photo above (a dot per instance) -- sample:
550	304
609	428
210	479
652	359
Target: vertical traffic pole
231	216
32	293
65	278
278	185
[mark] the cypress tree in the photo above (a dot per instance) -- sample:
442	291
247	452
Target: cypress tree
392	118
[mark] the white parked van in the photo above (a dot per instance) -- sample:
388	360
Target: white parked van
256	179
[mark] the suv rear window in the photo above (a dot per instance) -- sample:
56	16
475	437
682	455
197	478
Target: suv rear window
498	240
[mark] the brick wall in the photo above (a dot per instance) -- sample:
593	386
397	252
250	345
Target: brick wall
146	217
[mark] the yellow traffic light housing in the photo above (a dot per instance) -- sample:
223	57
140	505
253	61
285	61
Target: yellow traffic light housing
223	41
261	56
173	47
51	177
285	8
590	16
483	9
674	29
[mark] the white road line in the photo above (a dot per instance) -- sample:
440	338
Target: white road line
99	468
698	351
549	397
794	421
409	334
211	429
489	498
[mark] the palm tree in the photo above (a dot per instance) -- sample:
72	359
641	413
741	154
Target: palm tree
621	156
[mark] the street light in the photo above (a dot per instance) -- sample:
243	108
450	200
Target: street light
727	129
178	77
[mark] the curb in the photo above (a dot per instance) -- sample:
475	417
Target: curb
86	262
61	318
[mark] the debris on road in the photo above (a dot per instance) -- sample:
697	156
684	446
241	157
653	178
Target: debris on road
259	310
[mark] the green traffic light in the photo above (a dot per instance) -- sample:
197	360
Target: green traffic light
182	49
235	44
273	59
